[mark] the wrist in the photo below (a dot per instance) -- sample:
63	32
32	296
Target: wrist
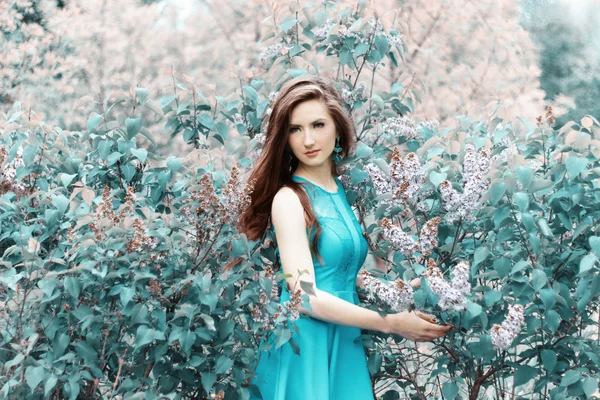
388	323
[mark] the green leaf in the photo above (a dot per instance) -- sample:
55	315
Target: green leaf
29	154
590	386
206	120
524	374
474	308
525	175
539	279
503	266
522	201
208	380
492	296
223	364
595	244
282	336
308	287
497	191
552	320
436	177
33	376
544	228
576	166
481	253
93	122
66	179
113	158
539	184
73	287
141	154
126	295
363	151
570	377
548	360
60	202
50	384
587	263
134	125
548	298
449	390
288	23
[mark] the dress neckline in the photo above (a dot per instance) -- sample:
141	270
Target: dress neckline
319	187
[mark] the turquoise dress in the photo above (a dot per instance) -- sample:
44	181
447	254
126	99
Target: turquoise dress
332	364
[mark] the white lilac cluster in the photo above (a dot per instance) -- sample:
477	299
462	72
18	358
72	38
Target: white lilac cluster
428	238
283	44
503	335
238	119
260	138
322	32
398	295
451	296
407	177
400	126
8	176
475	169
381	182
432	124
406	244
352	96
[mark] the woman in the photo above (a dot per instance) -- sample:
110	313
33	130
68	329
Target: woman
297	187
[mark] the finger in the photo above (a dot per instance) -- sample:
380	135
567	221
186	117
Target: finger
426	317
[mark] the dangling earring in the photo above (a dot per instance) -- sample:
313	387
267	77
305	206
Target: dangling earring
337	150
290	162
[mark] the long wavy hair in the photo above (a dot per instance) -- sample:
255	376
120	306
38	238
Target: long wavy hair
272	170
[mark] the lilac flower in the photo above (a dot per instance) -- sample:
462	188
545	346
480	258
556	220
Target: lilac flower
398	296
475	170
381	183
451	296
503	335
407	177
428	240
400	240
400	126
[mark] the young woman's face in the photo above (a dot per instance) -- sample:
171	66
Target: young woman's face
312	133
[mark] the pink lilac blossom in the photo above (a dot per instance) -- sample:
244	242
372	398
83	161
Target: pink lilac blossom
236	196
475	170
503	335
398	295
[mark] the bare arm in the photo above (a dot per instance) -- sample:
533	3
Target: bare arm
290	229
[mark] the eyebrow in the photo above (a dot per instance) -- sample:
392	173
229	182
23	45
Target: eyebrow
315	121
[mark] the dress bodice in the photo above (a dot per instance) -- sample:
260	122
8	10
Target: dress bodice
341	244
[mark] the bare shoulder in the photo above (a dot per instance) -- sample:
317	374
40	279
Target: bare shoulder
286	206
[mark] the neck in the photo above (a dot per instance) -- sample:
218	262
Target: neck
321	175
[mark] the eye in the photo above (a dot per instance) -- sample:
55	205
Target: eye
319	123
293	129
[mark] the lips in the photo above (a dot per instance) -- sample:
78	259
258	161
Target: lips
312	153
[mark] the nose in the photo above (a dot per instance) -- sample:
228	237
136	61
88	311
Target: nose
308	138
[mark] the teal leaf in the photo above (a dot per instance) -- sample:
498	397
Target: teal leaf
126	295
548	360
587	263
208	380
548	298
522	201
66	179
539	279
60	202
206	120
497	191
134	126
223	364
288	23
525	175
595	244
449	390
590	386
33	376
570	377
492	296
576	166
141	154
436	177
93	122
50	384
363	151
524	374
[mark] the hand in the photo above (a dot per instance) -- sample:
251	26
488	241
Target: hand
416	326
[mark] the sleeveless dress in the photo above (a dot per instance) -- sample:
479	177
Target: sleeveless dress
332	364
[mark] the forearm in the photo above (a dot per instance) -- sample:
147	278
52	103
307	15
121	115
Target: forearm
328	307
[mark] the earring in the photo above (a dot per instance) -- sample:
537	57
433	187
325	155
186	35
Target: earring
337	150
290	162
